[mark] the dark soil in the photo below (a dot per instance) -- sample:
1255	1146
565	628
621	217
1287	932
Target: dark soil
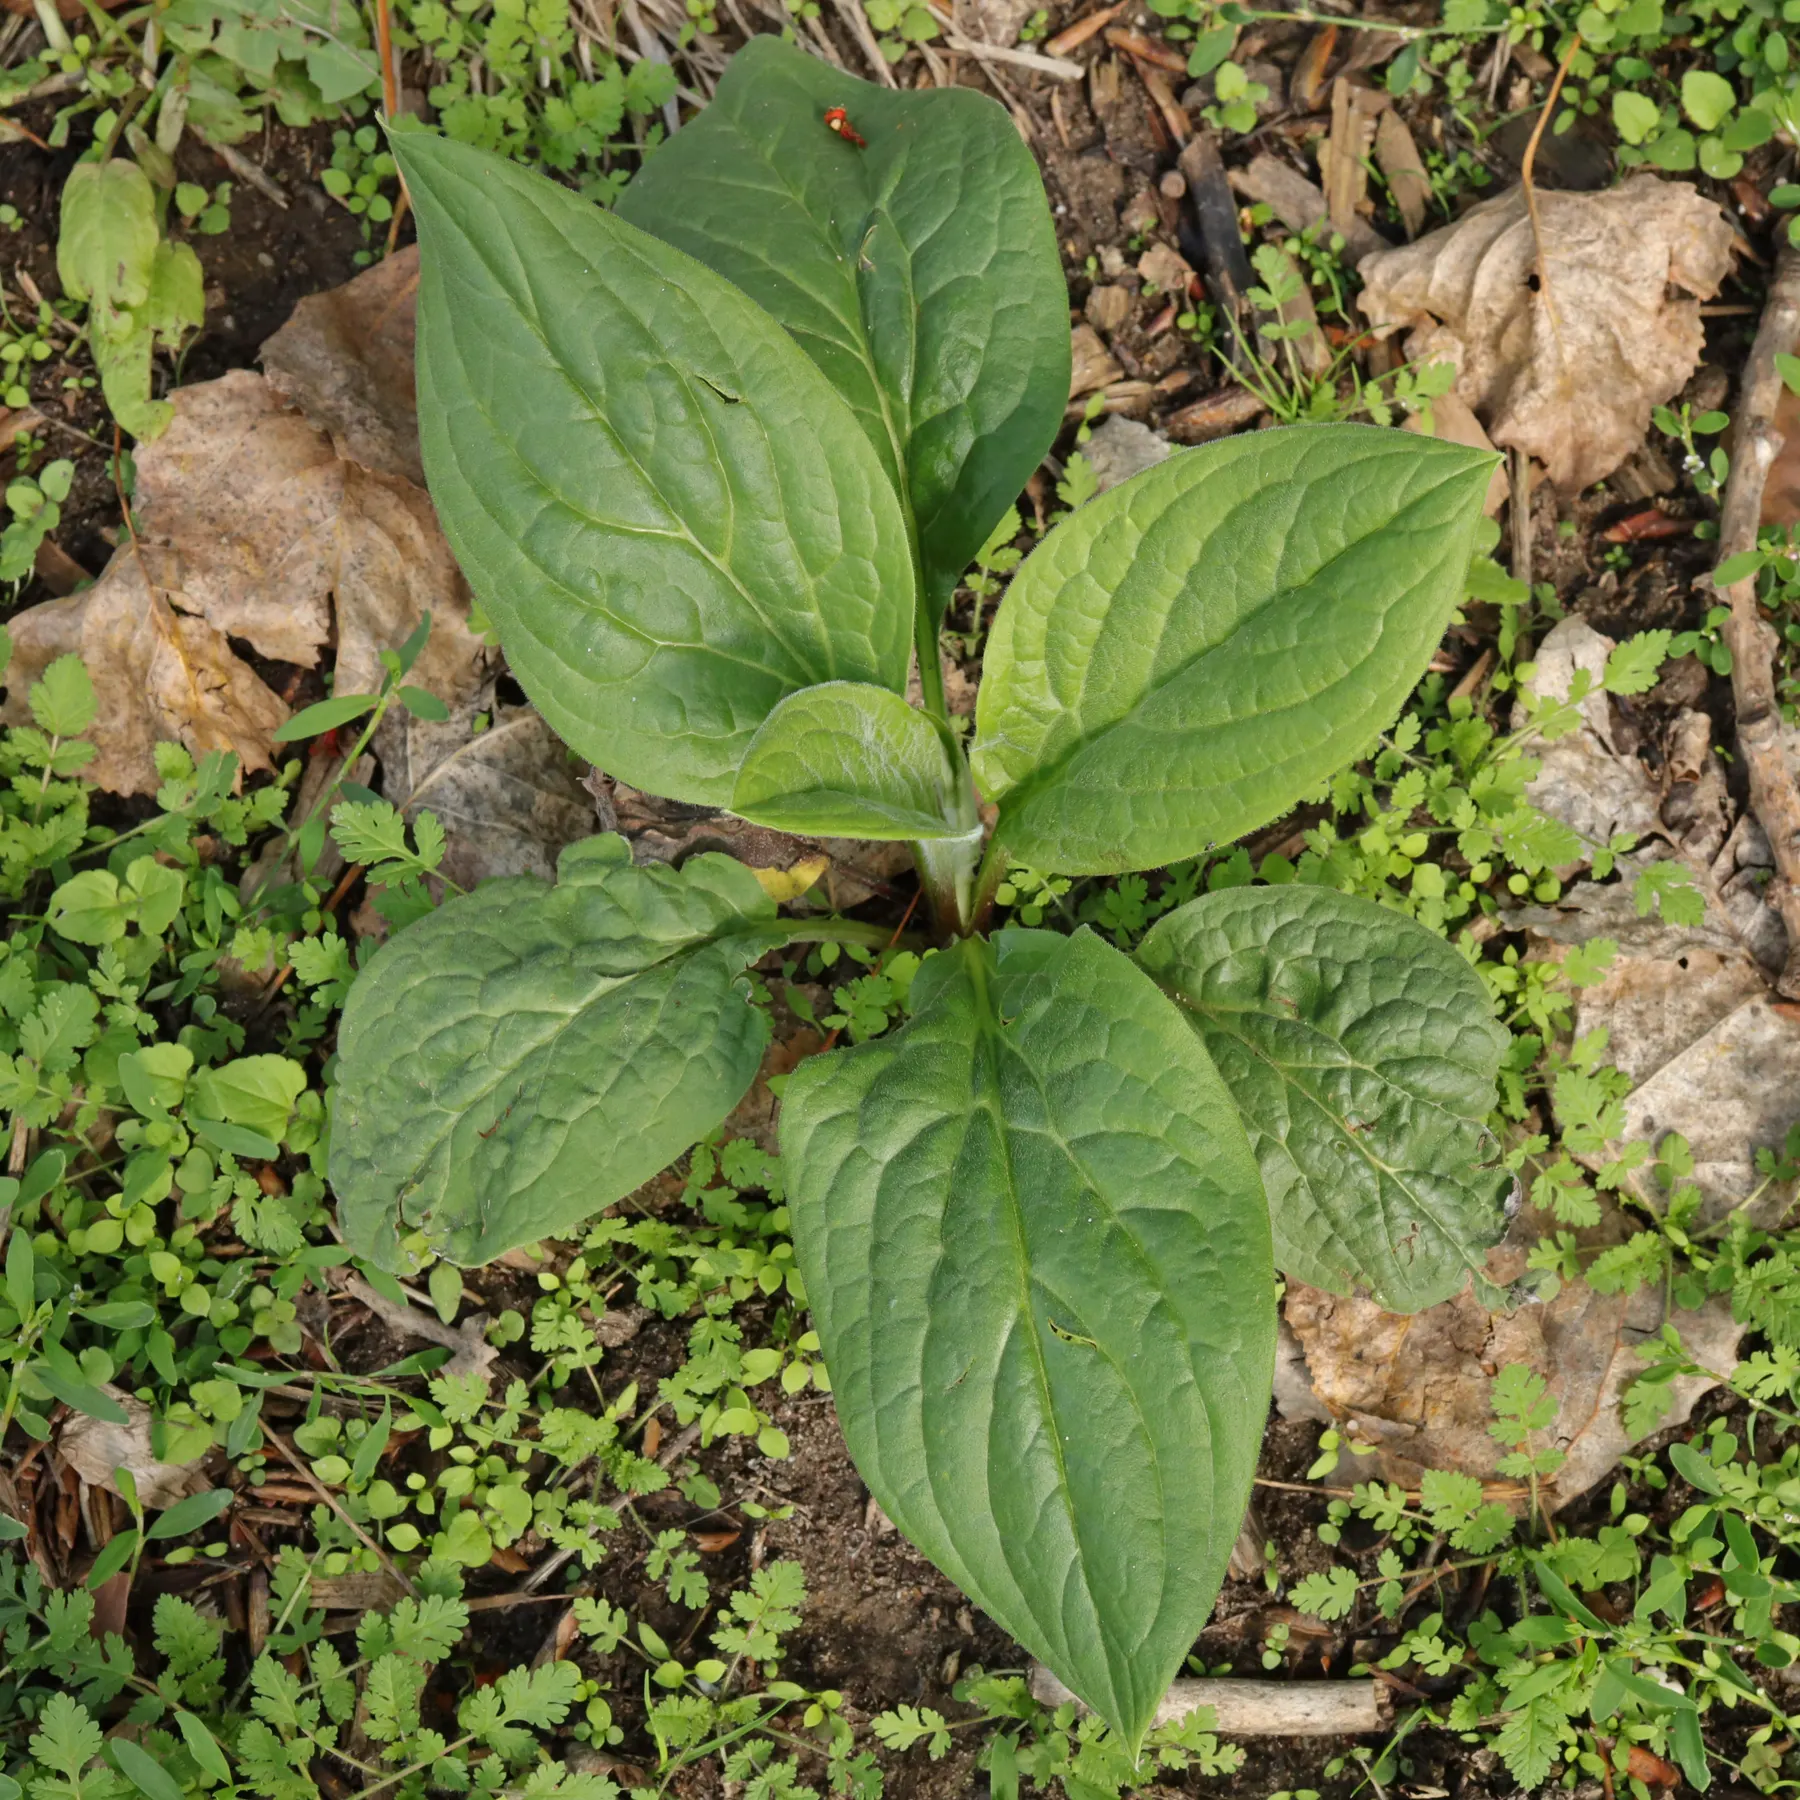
271	257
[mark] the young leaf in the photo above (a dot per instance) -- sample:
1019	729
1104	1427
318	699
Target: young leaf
1191	653
669	514
517	1060
144	1772
190	1514
83	1398
849	760
325	715
1362	1052
920	272
1037	1255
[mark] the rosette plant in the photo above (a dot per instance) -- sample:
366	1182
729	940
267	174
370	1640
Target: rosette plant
713	464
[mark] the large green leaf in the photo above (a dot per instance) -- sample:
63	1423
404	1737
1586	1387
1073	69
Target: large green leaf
849	760
526	1054
921	273
1037	1254
1362	1051
666	509
1191	653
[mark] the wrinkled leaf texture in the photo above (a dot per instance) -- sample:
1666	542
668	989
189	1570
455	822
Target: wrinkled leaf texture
668	512
1362	1052
920	273
520	1058
848	760
1191	653
1037	1254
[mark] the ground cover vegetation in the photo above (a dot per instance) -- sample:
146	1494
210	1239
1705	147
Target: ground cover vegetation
1186	943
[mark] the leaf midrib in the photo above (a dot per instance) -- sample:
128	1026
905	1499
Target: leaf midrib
852	317
1044	775
531	320
994	1035
604	988
1224	1017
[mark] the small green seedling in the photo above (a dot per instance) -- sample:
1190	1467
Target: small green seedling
714	466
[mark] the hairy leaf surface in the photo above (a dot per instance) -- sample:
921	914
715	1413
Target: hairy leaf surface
666	509
1037	1254
526	1054
921	273
849	760
1362	1051
1191	653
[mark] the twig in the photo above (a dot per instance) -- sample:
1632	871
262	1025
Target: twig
1256	1708
857	20
465	1339
330	1499
1773	796
248	172
1074	36
1057	66
1525	167
653	52
384	48
1519	521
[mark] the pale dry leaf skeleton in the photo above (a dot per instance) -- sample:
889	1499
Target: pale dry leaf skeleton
509	797
1563	348
1585	779
97	1449
1689	1018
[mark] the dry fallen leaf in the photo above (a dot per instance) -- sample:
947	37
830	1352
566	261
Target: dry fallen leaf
275	528
1561	356
1587	780
95	1449
1419	1387
509	797
1091	363
1690	1020
236	501
345	359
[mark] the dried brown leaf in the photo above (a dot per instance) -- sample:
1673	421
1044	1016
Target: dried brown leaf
345	359
1562	355
95	1449
1419	1388
253	529
509	797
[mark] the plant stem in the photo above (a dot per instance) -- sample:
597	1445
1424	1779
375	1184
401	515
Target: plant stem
836	931
947	874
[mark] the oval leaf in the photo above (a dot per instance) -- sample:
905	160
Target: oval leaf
849	760
1193	652
203	1746
516	1061
190	1514
1037	1255
920	272
80	1396
120	1315
669	514
144	1772
325	715
1362	1052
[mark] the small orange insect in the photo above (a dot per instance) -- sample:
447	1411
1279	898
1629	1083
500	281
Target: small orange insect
836	119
